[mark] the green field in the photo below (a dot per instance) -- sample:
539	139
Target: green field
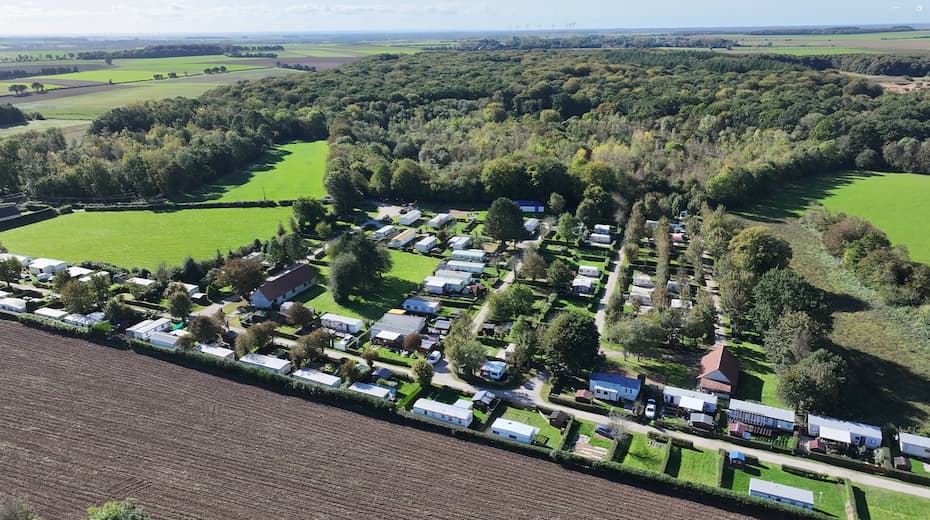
829	497
879	504
347	51
142	69
144	238
694	465
898	203
289	171
71	128
644	453
406	275
757	379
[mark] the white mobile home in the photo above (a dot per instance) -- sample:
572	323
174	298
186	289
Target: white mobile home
446	282
495	370
613	387
80	320
165	339
446	413
781	493
514	431
602	229
689	399
308	375
589	270
16	305
469	255
52	314
148	327
466	267
78	272
531	225
426	244
400	241
643	294
341	323
761	415
141	282
644	281
220	352
23	260
914	445
269	363
384	232
598	238
582	285
421	306
439	221
409	218
852	433
459	242
47	266
376	391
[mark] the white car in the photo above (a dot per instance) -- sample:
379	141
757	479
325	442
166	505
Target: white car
434	357
651	409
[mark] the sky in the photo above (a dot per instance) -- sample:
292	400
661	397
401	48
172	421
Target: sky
54	17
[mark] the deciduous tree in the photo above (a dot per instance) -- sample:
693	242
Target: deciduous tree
244	276
422	373
77	298
125	510
534	265
793	337
299	316
781	291
10	271
815	384
559	275
504	221
758	250
204	329
571	343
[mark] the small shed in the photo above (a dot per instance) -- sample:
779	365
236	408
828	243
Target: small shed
584	396
559	419
701	421
902	463
736	459
483	399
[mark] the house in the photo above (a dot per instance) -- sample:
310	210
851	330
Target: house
439	221
467	267
589	270
78	272
559	419
392	329
141	282
165	339
16	305
719	372
702	421
598	238
278	289
146	328
644	281
469	255
613	387
761	415
269	363
410	218
483	400
844	432
444	281
402	240
309	375
494	370
914	445
378	392
514	431
384	232
447	413
426	244
220	352
583	285
421	306
52	314
781	493
531	225
602	229
47	266
341	323
689	400
530	206
459	242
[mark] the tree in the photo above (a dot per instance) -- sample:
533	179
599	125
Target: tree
559	275
10	271
698	323
342	188
348	370
309	212
342	277
758	250
412	342
513	301
567	228
204	329
299	315
370	355
309	348
255	338
534	265
571	343
125	510
244	276
422	373
465	356
179	304
116	311
191	271
815	384
792	339
639	336
616	423
77	298
504	221
781	291
356	263
556	203
736	296
62	279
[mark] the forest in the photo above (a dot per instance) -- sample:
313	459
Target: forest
173	51
686	126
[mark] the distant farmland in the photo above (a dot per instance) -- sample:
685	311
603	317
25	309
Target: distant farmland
145	238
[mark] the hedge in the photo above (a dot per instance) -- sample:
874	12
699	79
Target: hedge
567	401
721	465
656	436
857	465
570	430
185	205
666	456
623	446
852	509
28	218
682	443
801	472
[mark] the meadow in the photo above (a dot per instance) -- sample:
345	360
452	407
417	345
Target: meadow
288	172
145	238
822	44
71	128
142	69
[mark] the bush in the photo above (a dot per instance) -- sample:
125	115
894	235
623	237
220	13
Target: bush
28	218
801	472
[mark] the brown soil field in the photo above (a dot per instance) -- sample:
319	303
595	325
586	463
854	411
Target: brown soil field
81	424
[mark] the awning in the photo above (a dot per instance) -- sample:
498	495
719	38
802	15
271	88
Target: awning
692	403
834	434
387	335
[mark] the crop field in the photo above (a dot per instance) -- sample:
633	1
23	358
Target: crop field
142	69
406	275
346	51
71	128
83	424
889	42
145	238
290	171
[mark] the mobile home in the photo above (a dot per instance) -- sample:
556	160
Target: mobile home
269	363
514	431
447	413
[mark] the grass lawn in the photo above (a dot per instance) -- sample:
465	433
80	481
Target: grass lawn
879	504
552	434
407	274
829	497
917	466
694	465
144	238
289	171
644	453
757	378
587	428
667	371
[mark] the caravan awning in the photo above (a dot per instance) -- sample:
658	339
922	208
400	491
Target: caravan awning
387	335
834	434
692	403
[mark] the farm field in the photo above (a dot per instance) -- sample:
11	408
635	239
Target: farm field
83	424
346	51
142	69
291	171
145	238
829	497
71	128
407	274
823	44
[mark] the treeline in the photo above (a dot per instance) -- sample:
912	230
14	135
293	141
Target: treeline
172	51
595	41
10	115
8	74
871	64
809	31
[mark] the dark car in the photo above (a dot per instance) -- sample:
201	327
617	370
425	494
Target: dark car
604	430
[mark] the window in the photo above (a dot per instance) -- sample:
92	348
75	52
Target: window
512	436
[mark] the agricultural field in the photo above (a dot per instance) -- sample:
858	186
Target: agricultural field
145	238
829	497
871	43
290	171
84	424
71	128
347	51
143	69
407	274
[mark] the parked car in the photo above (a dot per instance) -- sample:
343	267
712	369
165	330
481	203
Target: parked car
604	430
651	409
434	357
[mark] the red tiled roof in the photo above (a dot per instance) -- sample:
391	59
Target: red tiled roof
723	360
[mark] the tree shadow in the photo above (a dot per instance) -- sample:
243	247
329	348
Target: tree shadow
862	506
674	462
222	185
841	302
793	199
749	387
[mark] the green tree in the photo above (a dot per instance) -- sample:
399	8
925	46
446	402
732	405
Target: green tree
736	296
559	275
61	280
341	186
179	304
191	271
348	370
698	322
556	203
513	301
567	228
309	212
244	276
256	337
299	315
422	373
341	277
781	291
116	311
77	298
572	344
815	384
204	329
370	355
465	356
10	271
758	250
125	510
309	348
792	339
533	264
504	221
639	336
408	180
356	263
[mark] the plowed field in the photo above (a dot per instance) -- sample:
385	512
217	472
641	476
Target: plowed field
81	424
